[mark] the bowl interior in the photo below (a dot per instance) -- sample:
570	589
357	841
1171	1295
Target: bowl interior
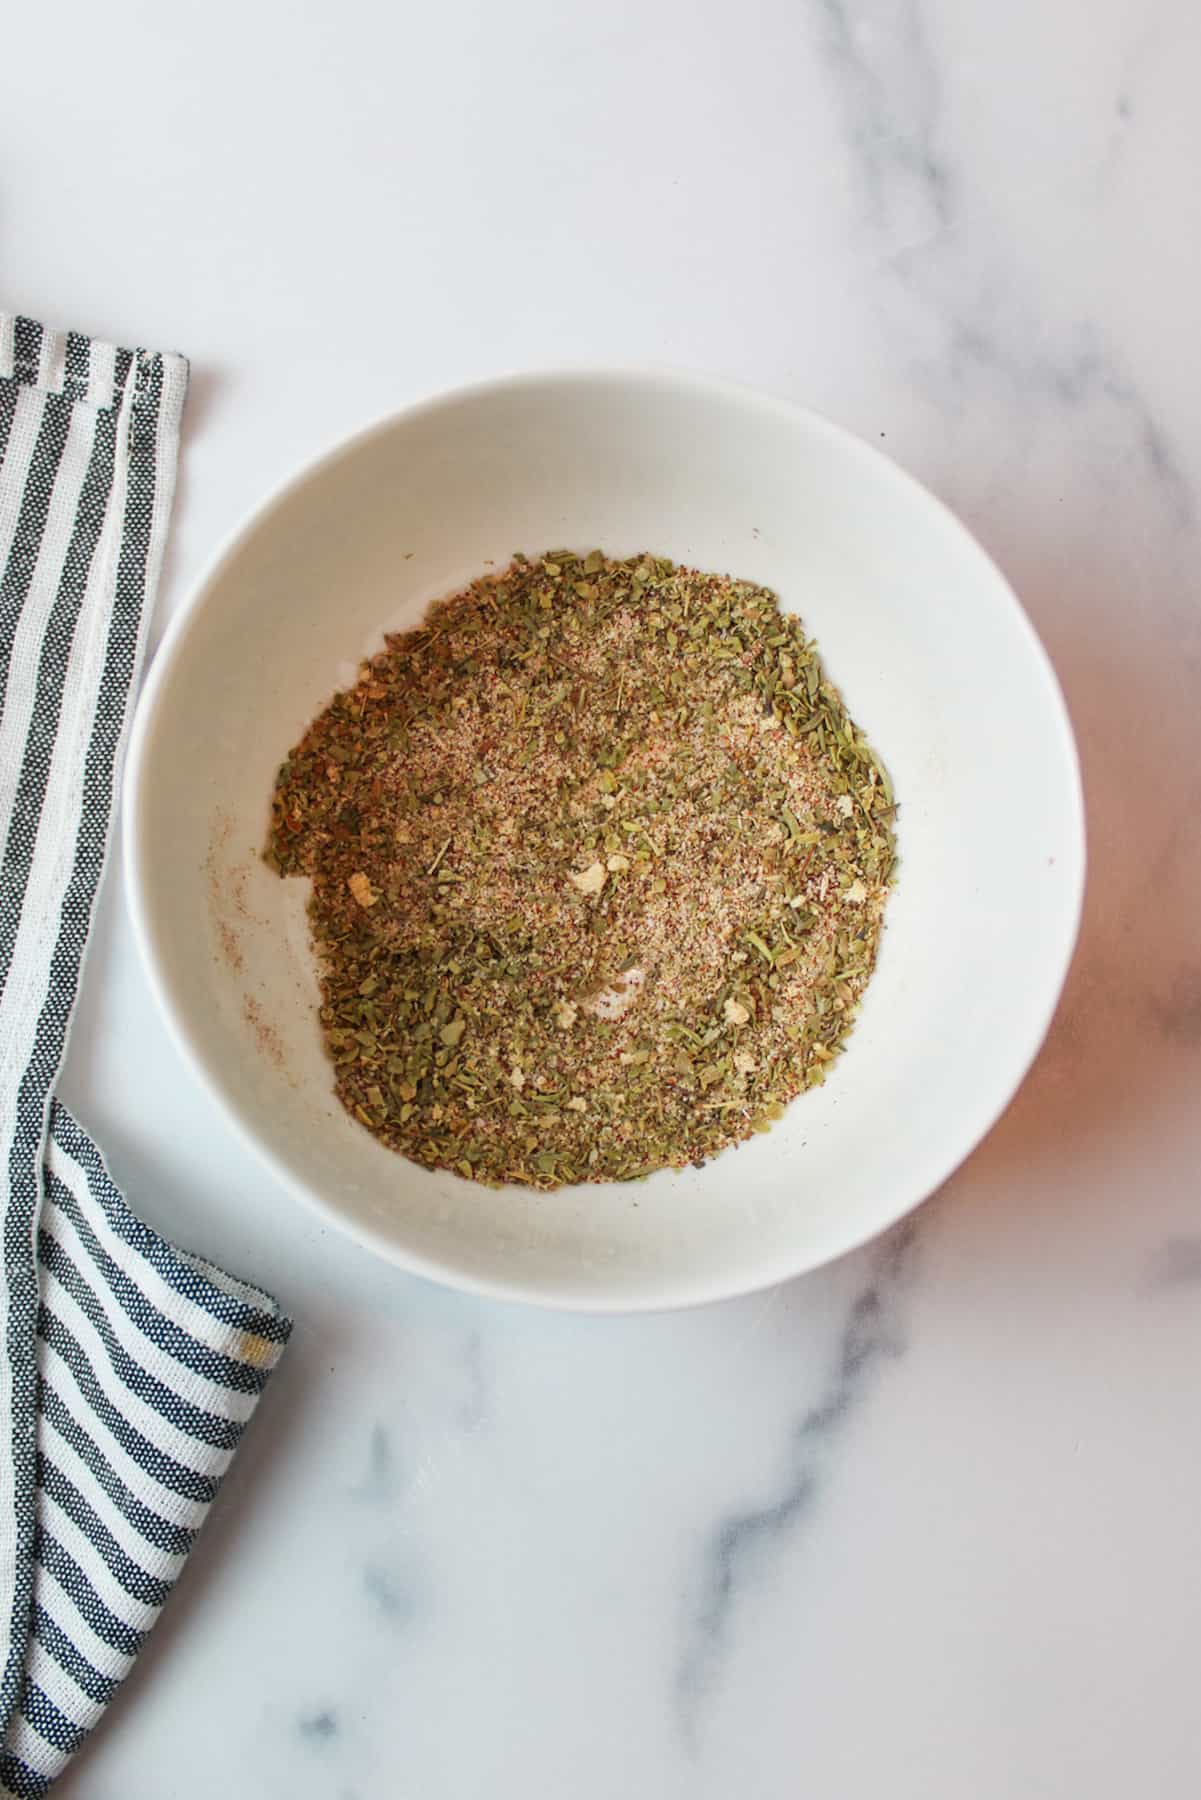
934	657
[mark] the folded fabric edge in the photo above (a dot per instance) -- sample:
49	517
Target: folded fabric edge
225	1297
138	1421
88	370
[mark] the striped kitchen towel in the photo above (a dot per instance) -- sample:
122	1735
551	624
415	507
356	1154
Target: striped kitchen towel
129	1367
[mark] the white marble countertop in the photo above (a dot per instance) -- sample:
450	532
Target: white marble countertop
924	1525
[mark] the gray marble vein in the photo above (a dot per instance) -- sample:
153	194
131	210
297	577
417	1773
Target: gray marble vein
390	1596
381	1482
318	1727
889	87
1177	1012
1079	375
886	76
1126	97
1176	1263
740	1544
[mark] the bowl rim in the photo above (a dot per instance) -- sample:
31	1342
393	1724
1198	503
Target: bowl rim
677	1292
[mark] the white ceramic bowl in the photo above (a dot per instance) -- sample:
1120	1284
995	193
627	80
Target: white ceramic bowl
936	660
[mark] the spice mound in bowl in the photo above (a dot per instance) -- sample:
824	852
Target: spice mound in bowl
599	865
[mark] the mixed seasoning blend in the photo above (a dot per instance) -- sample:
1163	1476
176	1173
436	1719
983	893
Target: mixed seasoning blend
598	867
